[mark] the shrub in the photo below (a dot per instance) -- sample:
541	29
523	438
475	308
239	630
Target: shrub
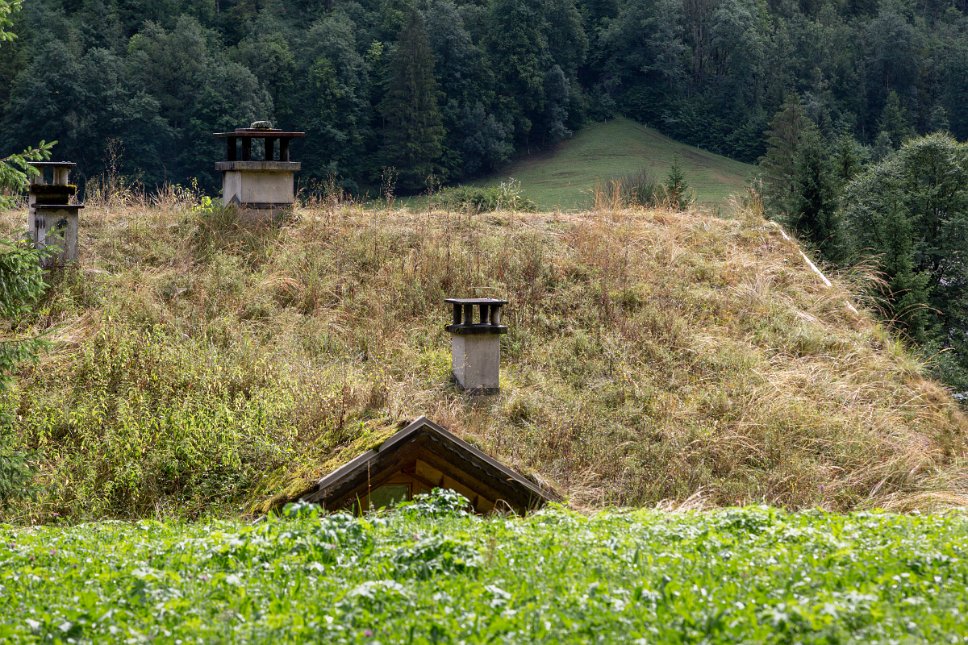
638	189
634	189
476	199
435	555
676	193
440	502
21	285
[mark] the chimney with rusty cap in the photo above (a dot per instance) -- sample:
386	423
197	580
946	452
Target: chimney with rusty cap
476	343
52	219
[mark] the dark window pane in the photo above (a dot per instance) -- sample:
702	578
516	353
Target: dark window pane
388	494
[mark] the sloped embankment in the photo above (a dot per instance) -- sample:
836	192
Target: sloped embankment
206	366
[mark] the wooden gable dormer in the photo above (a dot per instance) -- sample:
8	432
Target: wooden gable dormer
419	458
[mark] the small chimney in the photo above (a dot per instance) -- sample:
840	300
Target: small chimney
52	219
476	344
264	185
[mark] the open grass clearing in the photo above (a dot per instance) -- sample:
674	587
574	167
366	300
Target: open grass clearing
565	177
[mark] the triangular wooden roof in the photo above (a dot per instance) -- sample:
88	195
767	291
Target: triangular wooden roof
469	469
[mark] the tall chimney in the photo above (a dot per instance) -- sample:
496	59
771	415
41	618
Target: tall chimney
264	186
52	220
476	344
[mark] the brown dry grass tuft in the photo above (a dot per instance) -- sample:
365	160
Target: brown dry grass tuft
208	364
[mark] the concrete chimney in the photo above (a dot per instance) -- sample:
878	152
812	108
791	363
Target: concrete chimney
267	185
52	220
476	344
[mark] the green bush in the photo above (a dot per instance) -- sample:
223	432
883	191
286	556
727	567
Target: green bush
138	433
476	199
21	285
435	555
439	502
640	188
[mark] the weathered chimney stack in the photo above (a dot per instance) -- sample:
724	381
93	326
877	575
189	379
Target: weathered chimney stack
265	185
476	344
52	219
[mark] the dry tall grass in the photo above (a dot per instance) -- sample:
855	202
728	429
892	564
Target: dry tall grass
208	365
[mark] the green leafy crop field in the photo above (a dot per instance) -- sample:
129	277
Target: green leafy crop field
566	177
429	573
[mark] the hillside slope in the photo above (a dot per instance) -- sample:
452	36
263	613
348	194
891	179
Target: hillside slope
206	366
566	177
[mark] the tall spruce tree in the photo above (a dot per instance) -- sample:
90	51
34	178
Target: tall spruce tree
895	121
412	124
814	216
849	159
785	136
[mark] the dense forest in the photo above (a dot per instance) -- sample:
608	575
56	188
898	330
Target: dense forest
455	88
854	108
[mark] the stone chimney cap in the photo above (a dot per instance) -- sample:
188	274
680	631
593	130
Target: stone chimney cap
476	301
53	164
488	320
51	183
259	133
58	207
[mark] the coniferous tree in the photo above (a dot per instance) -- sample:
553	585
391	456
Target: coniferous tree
676	189
785	136
883	146
910	213
895	121
814	215
15	169
850	157
938	121
412	124
882	227
7	8
21	284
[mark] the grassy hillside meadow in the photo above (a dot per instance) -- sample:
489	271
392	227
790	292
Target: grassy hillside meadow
428	574
565	178
203	365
